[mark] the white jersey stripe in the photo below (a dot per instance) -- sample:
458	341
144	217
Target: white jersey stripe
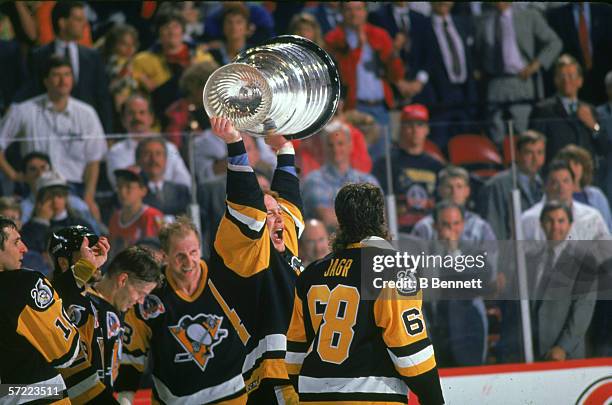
269	343
204	396
252	223
414	359
378	385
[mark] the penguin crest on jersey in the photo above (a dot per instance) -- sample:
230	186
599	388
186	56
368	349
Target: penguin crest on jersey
41	294
198	336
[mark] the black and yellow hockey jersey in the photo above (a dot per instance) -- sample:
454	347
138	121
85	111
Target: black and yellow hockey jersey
350	350
36	335
100	325
254	282
197	356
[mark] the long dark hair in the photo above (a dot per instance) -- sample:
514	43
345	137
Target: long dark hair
360	209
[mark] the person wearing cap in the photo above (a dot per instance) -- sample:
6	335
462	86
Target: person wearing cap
322	185
133	220
51	211
34	165
413	171
95	305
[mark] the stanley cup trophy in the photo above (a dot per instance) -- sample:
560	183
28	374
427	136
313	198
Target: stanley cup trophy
287	85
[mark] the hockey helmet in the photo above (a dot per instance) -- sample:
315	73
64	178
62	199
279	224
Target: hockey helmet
65	241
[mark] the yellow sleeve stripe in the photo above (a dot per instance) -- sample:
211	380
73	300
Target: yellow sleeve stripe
83	270
242	255
294	214
40	329
269	368
293	369
294	225
423	367
253	218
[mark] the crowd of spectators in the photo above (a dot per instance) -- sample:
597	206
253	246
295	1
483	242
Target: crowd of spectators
102	125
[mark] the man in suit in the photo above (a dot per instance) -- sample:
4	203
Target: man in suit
90	79
167	196
604	112
512	45
408	30
565	119
564	288
586	33
450	73
494	201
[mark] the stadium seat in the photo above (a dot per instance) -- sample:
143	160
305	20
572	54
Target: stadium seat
432	150
476	153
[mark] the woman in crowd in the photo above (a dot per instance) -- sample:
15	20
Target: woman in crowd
581	163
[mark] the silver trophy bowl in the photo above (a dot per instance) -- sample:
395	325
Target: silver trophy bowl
287	85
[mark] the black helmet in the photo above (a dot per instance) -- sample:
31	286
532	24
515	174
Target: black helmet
65	241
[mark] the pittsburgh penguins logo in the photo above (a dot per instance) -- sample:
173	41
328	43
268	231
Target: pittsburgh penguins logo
406	282
151	308
198	336
41	294
75	313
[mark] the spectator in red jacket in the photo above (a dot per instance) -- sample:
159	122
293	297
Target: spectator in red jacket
133	220
367	63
